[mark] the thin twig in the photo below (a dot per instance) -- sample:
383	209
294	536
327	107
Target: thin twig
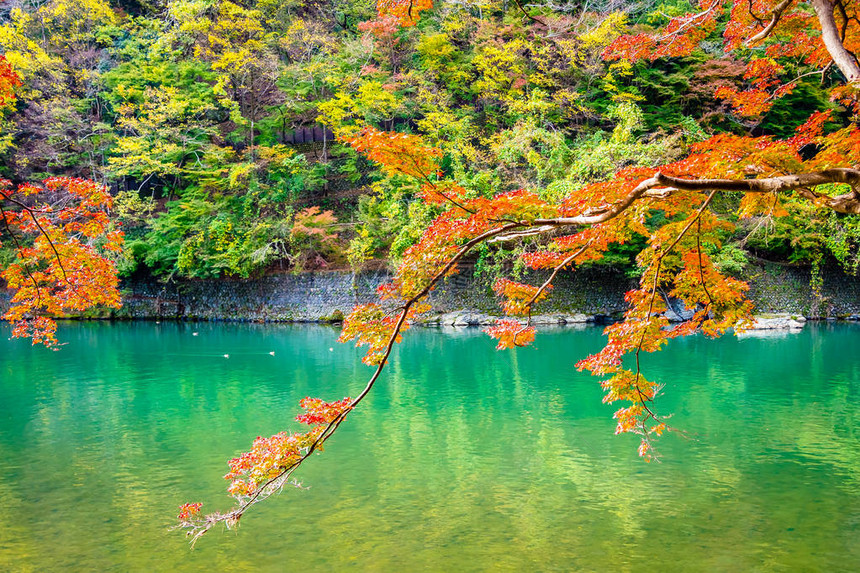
234	515
665	252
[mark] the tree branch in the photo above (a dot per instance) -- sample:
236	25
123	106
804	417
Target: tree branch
774	20
198	528
832	39
663	185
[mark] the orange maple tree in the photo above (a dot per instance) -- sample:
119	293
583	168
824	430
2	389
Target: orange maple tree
60	234
824	35
9	80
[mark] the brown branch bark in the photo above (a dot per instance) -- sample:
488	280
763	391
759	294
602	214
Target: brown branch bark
832	39
663	185
846	203
777	13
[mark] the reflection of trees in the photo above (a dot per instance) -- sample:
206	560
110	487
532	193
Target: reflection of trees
464	459
520	449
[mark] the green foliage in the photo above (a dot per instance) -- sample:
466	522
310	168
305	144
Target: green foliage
793	109
184	110
444	62
201	236
842	239
799	238
493	262
731	260
544	153
390	220
599	155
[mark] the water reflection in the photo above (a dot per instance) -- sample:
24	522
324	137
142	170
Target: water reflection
462	458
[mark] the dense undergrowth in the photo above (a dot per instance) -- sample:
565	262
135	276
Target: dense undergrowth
215	124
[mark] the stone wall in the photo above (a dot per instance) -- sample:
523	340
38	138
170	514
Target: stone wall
289	297
778	288
326	295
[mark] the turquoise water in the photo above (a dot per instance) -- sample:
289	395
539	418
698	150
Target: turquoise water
462	458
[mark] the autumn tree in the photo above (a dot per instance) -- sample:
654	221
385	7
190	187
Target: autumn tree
669	206
56	49
62	243
238	47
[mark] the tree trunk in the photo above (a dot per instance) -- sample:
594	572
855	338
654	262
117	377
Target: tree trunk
844	60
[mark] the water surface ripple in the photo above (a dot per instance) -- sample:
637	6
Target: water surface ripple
462	459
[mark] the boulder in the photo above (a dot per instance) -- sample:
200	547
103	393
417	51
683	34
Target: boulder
575	318
678	311
466	318
778	322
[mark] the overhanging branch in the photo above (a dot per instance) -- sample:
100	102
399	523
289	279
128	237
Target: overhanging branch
662	185
774	20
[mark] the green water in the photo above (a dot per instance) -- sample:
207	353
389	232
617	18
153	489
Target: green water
462	459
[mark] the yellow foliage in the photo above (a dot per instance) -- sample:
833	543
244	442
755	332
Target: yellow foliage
277	154
501	70
26	57
613	82
239	174
377	100
373	103
454	26
336	111
71	21
303	40
156	137
537	104
436	50
604	33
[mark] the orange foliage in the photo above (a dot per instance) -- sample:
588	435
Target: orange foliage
789	32
518	297
407	12
61	234
311	226
9	80
675	263
511	334
270	457
383	27
397	153
188	510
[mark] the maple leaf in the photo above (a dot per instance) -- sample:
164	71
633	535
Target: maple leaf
61	250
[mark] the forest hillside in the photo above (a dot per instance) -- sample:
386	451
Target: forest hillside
218	126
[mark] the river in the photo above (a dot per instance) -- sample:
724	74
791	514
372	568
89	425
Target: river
461	459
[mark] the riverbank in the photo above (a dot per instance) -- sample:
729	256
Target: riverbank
589	295
328	296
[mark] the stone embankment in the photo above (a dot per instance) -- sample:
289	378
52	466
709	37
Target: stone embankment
589	295
311	297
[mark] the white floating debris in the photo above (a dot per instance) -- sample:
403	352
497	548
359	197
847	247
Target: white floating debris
193	334
272	353
226	356
331	349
